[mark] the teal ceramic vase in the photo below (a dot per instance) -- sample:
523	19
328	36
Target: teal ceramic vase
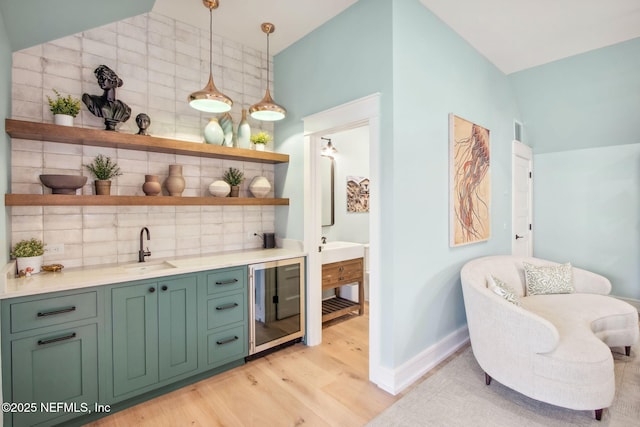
213	133
244	132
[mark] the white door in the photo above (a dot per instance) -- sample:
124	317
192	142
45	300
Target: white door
522	186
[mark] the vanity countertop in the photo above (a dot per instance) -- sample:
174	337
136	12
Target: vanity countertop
77	278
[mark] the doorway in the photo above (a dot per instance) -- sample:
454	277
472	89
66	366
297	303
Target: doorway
363	112
522	209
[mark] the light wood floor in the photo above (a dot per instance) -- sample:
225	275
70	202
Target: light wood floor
325	385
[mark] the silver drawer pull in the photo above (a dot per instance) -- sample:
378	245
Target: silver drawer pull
52	340
54	312
227	341
227	306
227	282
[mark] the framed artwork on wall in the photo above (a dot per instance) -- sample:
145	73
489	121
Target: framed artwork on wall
469	182
357	194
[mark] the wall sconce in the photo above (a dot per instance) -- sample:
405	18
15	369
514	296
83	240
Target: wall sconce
209	98
328	150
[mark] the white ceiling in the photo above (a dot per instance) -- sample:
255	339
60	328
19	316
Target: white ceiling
512	34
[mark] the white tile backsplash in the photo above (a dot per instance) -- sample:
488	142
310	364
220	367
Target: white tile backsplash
160	61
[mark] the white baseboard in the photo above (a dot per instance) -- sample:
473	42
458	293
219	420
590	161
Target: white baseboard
633	302
395	380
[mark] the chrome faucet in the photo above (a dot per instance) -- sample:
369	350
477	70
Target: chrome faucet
142	253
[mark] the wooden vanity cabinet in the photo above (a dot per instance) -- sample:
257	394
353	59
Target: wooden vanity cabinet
338	274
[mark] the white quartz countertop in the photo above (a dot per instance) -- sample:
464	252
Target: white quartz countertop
77	278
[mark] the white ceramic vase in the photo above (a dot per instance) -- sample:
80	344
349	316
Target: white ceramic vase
213	133
34	263
260	187
259	147
244	132
63	119
219	188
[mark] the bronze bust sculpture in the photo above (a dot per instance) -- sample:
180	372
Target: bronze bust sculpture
143	121
106	105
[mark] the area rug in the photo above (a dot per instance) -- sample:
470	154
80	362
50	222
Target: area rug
456	395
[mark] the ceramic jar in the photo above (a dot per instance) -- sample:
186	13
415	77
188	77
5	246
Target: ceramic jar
213	133
151	186
244	132
260	187
219	188
175	182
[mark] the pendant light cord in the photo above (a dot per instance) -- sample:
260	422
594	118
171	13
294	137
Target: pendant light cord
268	61
210	41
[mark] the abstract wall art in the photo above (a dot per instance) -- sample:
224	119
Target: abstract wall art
469	181
357	194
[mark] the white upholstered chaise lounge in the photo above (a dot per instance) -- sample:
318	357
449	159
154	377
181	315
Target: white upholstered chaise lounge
555	347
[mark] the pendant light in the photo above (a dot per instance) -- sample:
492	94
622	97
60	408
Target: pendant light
267	110
209	98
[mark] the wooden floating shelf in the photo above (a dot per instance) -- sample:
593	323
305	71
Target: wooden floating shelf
91	200
101	138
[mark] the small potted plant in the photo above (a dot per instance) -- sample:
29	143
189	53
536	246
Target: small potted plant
104	169
28	255
260	139
64	108
234	178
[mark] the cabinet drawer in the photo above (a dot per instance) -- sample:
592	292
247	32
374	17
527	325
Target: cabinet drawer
226	310
227	346
226	280
52	311
344	272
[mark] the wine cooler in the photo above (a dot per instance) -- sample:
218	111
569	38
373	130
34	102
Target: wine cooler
276	303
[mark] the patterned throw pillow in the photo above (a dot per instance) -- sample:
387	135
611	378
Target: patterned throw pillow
502	289
548	279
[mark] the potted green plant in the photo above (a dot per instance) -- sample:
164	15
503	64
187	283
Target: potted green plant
64	108
28	255
234	178
104	169
260	139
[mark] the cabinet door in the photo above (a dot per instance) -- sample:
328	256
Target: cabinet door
60	366
177	326
134	314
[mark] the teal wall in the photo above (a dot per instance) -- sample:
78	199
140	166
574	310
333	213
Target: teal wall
424	71
436	73
585	101
581	117
34	22
587	212
5	147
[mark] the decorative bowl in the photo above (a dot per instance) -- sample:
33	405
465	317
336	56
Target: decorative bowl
63	184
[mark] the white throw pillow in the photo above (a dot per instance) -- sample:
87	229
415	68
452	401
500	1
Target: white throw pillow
548	279
502	289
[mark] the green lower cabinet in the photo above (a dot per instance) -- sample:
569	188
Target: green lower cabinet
56	368
224	334
154	327
178	328
134	311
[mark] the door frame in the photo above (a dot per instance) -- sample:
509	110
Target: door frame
360	112
523	151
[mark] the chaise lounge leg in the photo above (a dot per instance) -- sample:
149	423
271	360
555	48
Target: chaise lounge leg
598	414
627	350
487	379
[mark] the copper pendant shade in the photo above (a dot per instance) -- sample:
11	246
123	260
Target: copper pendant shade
267	109
209	98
